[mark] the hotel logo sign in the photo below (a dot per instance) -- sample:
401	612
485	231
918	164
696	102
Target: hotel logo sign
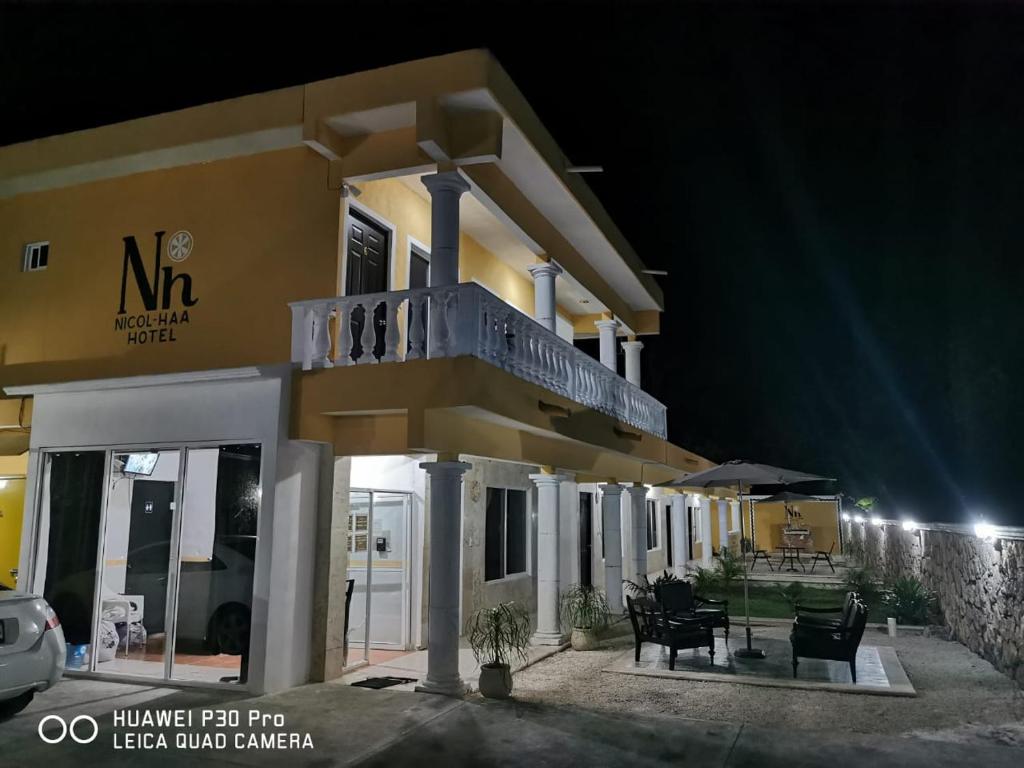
166	296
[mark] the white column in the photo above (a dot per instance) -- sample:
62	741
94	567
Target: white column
544	275
445	190
737	524
723	524
611	522
706	543
638	518
548	629
632	350
443	586
680	541
606	332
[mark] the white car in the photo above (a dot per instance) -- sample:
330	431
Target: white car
32	649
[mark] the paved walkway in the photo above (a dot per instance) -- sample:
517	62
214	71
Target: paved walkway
413	664
352	726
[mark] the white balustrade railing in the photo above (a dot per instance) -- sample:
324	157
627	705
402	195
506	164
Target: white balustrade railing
456	320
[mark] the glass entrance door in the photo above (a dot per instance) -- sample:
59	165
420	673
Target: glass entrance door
378	564
149	556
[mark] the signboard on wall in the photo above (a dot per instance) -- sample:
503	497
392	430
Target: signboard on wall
165	296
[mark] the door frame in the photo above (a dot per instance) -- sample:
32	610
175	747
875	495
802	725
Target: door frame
380	221
406	642
171	607
420	250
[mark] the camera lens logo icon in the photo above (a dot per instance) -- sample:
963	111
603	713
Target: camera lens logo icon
82	729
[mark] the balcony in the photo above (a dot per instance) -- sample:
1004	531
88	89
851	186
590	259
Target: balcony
458	320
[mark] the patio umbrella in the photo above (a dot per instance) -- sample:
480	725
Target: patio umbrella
742	475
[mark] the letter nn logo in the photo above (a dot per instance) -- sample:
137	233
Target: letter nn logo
149	290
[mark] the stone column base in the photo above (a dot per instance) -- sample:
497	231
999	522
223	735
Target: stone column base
456	687
547	638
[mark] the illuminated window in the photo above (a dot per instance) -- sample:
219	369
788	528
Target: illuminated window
36	257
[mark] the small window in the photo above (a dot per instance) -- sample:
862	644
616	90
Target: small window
36	257
653	538
504	533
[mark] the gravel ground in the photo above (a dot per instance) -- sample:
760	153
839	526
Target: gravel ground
961	697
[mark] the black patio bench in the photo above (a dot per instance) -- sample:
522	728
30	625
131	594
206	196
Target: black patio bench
651	624
837	643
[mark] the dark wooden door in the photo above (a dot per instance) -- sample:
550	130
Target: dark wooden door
366	272
419	277
586	539
149	548
669	559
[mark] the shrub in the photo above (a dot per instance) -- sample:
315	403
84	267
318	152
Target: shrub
863	581
705	580
730	568
584	608
646	587
909	601
498	634
792	593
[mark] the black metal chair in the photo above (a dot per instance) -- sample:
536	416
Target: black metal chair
761	553
827	616
651	624
838	643
826	556
679	600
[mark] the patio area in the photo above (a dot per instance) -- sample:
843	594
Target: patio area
959	696
879	671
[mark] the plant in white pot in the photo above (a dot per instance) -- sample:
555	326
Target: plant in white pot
497	636
584	610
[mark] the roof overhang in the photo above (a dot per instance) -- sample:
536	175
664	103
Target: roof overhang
460	110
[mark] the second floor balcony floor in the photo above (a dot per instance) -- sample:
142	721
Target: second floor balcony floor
463	320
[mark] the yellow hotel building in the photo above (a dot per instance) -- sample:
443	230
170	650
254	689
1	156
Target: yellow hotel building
255	350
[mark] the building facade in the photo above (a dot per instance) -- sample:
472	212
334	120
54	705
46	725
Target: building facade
257	350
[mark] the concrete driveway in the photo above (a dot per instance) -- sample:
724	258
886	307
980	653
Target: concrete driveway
353	726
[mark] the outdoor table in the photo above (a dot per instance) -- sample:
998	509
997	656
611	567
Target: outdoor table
791	553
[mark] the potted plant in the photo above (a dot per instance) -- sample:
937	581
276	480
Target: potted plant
497	635
585	609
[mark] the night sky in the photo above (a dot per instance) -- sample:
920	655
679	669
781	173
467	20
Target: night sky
837	193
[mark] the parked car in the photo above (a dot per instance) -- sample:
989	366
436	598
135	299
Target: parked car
214	595
32	649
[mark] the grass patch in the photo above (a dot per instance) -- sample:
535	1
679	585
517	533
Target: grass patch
767	602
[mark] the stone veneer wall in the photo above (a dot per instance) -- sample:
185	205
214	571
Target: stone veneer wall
979	584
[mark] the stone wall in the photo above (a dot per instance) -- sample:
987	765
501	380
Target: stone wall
979	584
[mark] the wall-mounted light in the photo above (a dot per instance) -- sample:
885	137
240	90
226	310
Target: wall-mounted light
876	521
909	525
846	517
350	190
858	518
984	530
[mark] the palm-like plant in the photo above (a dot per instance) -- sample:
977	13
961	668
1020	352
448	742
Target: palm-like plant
499	634
909	600
705	580
730	567
584	607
